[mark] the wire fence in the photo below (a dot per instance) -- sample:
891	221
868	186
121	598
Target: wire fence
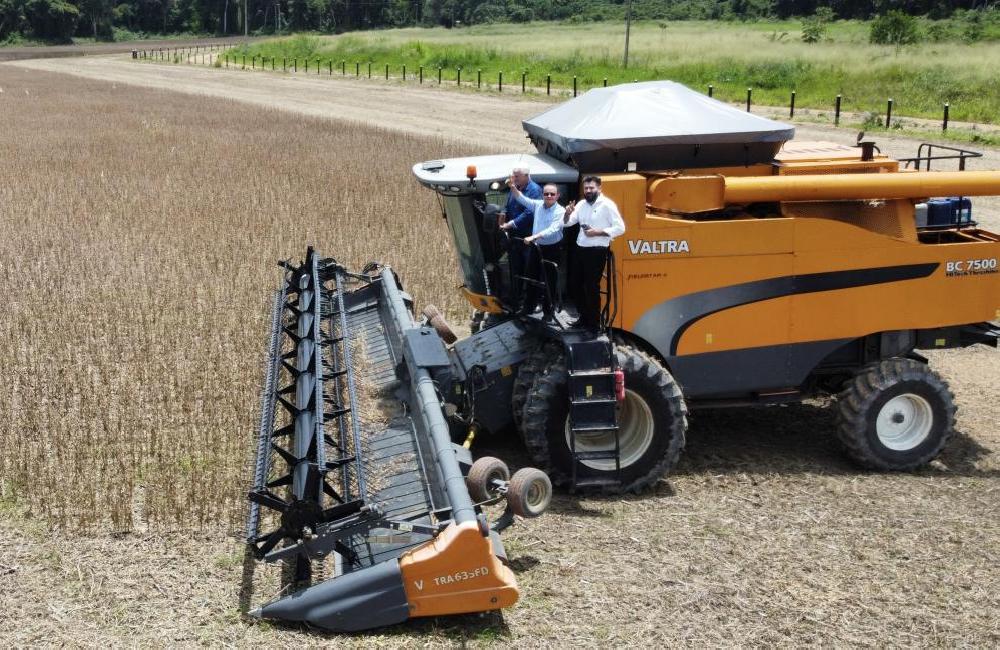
217	56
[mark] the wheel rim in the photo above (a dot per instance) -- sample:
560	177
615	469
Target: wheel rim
635	435
904	422
535	496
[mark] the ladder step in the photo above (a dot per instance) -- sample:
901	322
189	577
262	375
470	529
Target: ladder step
598	400
596	483
594	428
596	455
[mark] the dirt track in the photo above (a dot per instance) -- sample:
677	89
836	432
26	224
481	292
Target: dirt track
765	534
483	119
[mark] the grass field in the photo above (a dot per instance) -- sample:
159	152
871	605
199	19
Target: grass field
769	57
141	228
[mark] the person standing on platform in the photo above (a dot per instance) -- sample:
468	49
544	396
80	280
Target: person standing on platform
600	222
520	179
544	247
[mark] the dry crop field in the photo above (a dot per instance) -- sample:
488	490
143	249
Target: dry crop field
140	228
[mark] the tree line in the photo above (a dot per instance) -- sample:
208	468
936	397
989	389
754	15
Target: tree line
61	20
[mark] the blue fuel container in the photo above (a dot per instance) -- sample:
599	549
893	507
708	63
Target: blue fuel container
940	212
953	211
961	210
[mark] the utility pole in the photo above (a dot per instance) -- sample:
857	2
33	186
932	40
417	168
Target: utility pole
246	17
628	29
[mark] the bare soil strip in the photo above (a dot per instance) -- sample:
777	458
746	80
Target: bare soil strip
57	51
475	119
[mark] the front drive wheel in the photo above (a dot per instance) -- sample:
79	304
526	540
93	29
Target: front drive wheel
652	425
895	415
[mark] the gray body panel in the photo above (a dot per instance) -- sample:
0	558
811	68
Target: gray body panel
656	125
480	362
371	597
448	176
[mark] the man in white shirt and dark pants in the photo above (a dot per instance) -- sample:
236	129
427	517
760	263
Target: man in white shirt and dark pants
600	222
544	246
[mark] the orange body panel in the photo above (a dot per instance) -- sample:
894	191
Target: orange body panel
663	257
456	572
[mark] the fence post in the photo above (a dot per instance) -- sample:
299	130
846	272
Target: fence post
317	66
369	69
227	62
329	68
574	85
387	72
357	69
244	61
711	90
791	106
295	64
524	81
253	62
273	58
479	78
836	113
343	68
888	113
500	81
749	95
605	82
459	78
421	74
944	124
284	64
307	65
548	84
404	72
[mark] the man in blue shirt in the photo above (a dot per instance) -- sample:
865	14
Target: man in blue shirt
544	246
515	211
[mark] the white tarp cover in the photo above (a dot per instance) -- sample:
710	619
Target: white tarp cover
661	114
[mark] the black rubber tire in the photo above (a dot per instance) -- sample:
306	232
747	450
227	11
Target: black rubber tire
547	408
481	474
526	373
859	404
529	492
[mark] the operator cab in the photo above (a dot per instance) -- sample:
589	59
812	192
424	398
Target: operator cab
473	191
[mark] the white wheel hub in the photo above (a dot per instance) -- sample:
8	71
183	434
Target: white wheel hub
635	435
904	422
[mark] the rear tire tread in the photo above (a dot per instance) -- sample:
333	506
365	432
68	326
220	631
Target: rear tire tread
855	409
546	387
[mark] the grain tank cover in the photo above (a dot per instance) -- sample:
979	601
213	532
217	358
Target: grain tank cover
656	125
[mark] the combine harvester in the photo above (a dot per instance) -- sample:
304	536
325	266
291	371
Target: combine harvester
753	271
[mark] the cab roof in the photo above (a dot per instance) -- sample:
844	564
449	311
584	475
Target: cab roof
448	176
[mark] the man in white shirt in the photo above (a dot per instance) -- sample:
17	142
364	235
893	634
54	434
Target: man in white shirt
544	246
600	222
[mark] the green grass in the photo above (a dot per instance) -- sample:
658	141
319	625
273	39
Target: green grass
767	56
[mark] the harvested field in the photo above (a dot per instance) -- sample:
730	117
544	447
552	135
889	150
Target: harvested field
141	227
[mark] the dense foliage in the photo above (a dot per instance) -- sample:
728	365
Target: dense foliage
60	20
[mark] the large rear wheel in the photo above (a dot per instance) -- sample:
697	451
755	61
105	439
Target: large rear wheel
895	415
526	374
652	424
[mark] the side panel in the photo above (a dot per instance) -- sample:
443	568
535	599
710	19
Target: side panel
758	303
